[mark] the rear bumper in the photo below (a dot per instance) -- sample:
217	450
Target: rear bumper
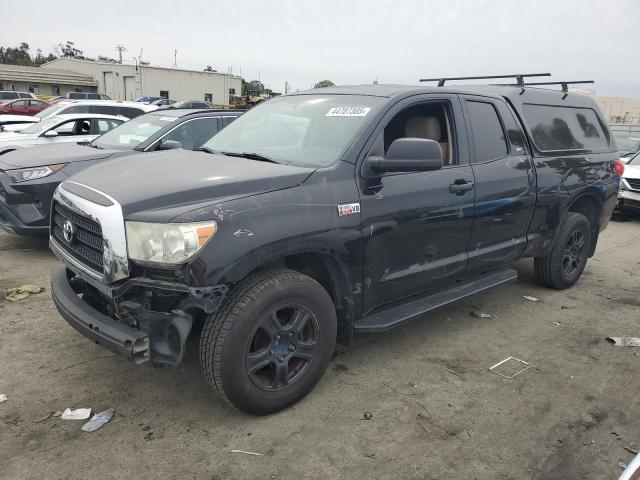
99	328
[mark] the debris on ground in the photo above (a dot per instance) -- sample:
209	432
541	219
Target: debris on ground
367	415
57	413
98	420
413	384
23	291
3	397
78	414
635	449
625	341
247	453
557	324
482	315
530	298
44	419
511	367
622	465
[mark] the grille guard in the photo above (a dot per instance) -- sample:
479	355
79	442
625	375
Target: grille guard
111	220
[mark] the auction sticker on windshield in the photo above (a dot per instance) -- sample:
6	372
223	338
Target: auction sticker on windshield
348	111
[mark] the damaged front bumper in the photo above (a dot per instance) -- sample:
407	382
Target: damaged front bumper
120	318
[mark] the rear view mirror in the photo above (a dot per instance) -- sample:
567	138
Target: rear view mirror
50	133
408	155
169	145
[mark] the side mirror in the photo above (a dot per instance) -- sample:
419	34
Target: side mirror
169	145
50	133
408	155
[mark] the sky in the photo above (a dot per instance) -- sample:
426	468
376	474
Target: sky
351	41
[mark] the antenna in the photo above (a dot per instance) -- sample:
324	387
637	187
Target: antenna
120	49
175	58
518	76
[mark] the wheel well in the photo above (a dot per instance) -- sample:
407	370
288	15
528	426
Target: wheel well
591	208
326	271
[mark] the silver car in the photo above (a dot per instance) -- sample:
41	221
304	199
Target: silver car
629	193
60	129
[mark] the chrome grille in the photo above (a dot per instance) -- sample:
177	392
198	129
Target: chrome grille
87	243
633	183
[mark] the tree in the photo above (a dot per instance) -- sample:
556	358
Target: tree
70	51
16	56
324	84
209	69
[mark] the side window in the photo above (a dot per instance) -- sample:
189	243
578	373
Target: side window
128	112
103	126
35	103
105	110
76	109
93	96
226	121
193	134
431	121
19	103
488	134
66	128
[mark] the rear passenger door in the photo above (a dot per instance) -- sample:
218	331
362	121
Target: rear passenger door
504	184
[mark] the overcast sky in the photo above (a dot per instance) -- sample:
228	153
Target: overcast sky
351	42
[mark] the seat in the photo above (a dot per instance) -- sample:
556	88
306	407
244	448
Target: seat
428	128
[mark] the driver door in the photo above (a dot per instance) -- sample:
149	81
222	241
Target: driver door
416	226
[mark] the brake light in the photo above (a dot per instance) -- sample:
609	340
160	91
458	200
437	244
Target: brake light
618	167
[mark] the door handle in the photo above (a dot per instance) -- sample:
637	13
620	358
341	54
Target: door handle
460	186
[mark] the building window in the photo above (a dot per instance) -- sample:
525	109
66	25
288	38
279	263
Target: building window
232	91
55	90
33	88
1	86
208	97
164	93
77	89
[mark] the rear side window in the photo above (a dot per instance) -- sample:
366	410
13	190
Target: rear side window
564	128
129	112
104	109
76	109
488	134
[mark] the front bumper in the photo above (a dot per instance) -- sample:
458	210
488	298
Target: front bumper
101	329
629	200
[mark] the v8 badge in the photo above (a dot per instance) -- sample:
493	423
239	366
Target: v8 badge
348	209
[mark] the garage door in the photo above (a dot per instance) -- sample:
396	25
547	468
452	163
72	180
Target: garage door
129	88
108	84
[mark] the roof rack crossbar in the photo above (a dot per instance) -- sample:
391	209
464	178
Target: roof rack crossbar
565	85
518	76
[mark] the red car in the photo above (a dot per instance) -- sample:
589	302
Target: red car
23	106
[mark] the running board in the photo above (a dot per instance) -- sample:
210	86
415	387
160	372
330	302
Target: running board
390	318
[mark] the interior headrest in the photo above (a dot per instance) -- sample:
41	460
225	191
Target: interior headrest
423	127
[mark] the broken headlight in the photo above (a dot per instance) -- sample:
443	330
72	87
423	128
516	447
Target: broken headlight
167	244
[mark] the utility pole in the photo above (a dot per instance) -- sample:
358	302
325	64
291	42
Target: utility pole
120	49
175	58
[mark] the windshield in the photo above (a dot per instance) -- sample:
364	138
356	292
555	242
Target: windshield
635	160
305	130
41	126
52	110
627	141
132	133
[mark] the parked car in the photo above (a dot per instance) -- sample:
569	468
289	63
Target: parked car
81	127
23	106
191	104
16	123
325	213
54	100
87	96
147	99
28	178
104	107
629	194
11	94
161	102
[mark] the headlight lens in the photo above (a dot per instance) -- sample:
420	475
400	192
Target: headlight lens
26	174
167	244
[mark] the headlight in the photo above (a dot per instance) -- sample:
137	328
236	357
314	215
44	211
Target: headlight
167	244
34	173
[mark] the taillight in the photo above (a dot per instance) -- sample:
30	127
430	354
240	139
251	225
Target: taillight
618	167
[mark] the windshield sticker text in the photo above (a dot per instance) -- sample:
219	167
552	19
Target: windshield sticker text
348	111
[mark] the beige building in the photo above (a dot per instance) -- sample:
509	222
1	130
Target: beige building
616	110
128	82
49	82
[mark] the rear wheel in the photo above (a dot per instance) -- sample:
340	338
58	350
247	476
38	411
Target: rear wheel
564	265
270	342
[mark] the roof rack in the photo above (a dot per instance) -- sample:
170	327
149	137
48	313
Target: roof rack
518	76
565	85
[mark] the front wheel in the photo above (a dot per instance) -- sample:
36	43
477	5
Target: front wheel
270	342
564	265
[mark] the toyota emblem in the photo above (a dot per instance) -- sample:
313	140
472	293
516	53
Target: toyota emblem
68	231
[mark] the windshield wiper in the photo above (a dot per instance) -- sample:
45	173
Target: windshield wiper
251	156
207	150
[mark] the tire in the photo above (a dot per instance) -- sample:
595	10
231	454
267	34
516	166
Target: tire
270	342
563	267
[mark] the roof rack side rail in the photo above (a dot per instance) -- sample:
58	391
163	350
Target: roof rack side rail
564	84
518	76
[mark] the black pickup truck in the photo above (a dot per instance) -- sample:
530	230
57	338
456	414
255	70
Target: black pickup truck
325	213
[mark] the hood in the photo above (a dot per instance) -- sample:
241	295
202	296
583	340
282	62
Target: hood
160	185
18	118
631	171
49	154
13	136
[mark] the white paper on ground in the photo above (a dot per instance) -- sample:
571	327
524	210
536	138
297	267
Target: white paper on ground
77	414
